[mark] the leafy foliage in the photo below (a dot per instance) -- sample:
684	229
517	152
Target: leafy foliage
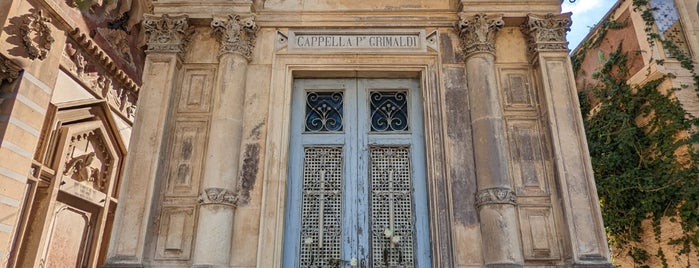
644	148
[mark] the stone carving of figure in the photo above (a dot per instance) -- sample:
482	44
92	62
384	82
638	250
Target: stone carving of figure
80	169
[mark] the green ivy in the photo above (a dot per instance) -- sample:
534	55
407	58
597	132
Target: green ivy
644	148
636	138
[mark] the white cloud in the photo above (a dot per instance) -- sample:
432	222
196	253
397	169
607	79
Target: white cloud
581	6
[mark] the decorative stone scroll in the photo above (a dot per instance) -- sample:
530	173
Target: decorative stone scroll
35	32
218	196
167	34
236	34
547	33
478	34
498	195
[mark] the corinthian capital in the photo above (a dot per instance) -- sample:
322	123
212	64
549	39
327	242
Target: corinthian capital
167	34
236	34
547	33
8	70
478	34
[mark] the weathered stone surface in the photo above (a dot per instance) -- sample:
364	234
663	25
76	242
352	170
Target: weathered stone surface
205	183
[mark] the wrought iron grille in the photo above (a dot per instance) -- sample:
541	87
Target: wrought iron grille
392	220
324	111
389	110
321	211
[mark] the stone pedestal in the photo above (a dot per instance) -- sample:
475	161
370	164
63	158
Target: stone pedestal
495	198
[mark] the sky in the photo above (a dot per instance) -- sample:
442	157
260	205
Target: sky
586	14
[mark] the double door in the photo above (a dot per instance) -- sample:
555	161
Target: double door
356	187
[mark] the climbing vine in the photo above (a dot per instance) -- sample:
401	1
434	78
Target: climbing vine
644	148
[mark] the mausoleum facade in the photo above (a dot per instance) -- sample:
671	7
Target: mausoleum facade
315	133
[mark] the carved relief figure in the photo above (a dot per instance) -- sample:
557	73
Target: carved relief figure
81	169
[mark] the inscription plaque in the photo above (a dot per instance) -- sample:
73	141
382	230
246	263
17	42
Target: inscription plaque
82	191
349	41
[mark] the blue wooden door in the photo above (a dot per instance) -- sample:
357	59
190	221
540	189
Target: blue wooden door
356	187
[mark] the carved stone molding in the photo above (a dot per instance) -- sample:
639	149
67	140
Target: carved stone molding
497	195
478	34
236	34
99	74
218	196
167	34
547	33
35	31
8	70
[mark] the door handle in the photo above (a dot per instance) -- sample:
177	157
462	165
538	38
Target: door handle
362	264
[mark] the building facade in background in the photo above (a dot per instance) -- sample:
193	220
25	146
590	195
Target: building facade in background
293	133
676	21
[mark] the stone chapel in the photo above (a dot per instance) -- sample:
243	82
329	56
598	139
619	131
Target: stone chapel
293	133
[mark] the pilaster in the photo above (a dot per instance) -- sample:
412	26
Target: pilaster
220	184
495	198
168	36
548	51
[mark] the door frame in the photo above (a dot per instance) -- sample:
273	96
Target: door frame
285	67
356	141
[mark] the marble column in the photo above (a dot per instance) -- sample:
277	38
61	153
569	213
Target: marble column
168	36
220	186
548	51
495	198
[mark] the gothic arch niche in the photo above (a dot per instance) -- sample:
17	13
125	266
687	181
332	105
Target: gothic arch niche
73	188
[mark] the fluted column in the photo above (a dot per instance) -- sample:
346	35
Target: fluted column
495	198
220	193
548	51
168	36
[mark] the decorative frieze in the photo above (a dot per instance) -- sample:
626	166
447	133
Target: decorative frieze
547	33
167	34
497	195
478	33
99	74
236	34
35	31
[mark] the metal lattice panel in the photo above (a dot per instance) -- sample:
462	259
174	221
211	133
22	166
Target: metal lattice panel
392	220
322	207
324	111
389	110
